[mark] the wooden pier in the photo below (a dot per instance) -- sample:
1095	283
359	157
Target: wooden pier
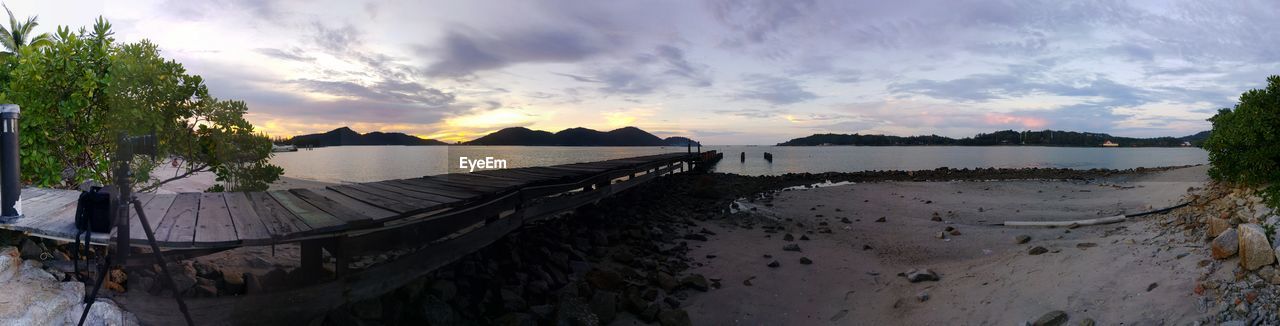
442	218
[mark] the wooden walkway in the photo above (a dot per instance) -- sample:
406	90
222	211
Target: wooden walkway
232	219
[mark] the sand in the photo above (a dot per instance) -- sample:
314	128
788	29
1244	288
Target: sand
986	278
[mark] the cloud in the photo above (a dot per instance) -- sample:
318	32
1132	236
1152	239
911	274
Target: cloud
463	54
294	54
774	90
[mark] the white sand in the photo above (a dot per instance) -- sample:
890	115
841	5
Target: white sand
986	277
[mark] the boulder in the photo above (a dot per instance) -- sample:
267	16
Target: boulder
1255	249
674	317
696	282
1218	225
604	279
31	249
666	281
10	263
605	305
1225	245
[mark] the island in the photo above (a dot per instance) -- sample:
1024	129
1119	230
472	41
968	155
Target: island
627	136
346	137
1001	138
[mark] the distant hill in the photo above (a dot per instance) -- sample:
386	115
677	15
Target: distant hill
628	136
346	137
1004	137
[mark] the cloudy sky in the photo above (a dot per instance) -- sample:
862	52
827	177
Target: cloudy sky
721	71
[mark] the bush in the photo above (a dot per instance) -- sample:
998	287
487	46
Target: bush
1244	146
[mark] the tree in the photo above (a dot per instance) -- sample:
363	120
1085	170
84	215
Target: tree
1244	145
83	89
18	35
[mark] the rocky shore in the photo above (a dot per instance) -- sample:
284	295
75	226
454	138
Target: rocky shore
639	257
1238	281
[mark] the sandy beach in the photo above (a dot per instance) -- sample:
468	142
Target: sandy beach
1117	273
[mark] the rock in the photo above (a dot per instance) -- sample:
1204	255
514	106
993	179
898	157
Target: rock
650	313
233	281
788	237
1255	249
605	279
920	275
1052	318
936	217
204	288
674	317
922	296
1218	225
1088	322
1021	239
511	300
880	220
804	237
251	284
184	278
10	263
1225	245
694	236
696	282
954	232
791	247
805	261
774	264
666	281
605	305
1037	250
31	249
940	235
1152	286
436	312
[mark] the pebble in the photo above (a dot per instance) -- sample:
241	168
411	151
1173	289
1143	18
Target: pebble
1021	239
880	220
1037	250
1052	318
774	264
920	275
805	261
922	296
791	247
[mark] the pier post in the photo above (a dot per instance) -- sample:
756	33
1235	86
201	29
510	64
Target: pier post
10	169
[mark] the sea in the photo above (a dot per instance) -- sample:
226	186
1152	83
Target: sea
375	163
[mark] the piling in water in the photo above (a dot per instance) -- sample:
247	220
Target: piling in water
743	157
768	157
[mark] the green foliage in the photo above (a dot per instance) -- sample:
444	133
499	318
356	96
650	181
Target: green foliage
1244	147
82	90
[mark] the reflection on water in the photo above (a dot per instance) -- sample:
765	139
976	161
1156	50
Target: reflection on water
373	163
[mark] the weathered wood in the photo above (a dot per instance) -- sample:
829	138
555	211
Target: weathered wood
156	209
336	209
351	203
313	216
249	227
426	185
214	226
479	180
387	200
411	193
179	224
276	218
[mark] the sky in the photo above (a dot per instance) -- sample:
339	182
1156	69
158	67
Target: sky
719	71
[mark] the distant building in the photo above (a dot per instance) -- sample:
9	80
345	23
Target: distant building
1186	144
1110	144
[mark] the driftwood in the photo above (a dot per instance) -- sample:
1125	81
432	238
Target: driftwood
1092	221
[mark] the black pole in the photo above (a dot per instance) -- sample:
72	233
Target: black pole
10	191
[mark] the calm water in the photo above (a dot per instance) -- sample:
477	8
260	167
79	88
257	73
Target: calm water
373	163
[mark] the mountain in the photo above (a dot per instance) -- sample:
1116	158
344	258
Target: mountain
628	136
346	137
1003	137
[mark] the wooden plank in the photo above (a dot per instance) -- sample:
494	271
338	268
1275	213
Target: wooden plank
459	183
249	227
179	224
316	218
411	193
276	218
423	185
374	212
336	209
214	226
516	175
156	209
135	224
472	179
388	201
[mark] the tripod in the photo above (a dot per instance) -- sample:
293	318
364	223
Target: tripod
128	146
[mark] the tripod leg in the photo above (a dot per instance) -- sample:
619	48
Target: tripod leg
155	250
93	296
